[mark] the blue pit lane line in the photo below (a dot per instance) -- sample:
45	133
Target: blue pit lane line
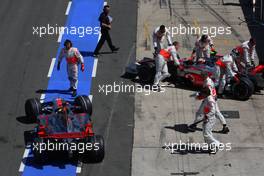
82	13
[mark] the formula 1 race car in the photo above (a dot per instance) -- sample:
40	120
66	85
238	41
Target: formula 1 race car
64	124
191	76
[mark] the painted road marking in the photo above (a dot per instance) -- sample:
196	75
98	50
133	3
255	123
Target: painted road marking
60	36
94	67
25	155
42	97
91	97
51	67
68	8
58	81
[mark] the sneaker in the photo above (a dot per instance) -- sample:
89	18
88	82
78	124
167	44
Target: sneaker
115	49
74	93
225	130
71	89
192	128
95	54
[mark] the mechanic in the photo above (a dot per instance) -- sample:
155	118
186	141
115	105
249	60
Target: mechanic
202	48
161	62
106	25
209	84
226	70
73	58
159	35
209	112
246	55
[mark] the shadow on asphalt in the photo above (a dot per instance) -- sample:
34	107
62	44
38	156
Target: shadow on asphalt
25	120
54	91
184	128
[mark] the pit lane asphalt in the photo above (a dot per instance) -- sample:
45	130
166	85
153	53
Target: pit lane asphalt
114	114
24	66
23	70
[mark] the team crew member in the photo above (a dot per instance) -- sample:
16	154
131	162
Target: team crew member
209	84
159	35
246	54
106	25
161	62
202	47
226	69
73	58
209	112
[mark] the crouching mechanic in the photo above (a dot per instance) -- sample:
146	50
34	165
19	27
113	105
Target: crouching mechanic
226	70
246	55
73	58
202	48
159	35
208	84
161	62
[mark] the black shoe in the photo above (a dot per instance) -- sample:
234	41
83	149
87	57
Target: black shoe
71	89
225	130
192	128
114	49
95	54
74	93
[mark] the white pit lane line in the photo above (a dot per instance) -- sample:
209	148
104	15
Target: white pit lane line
25	155
51	67
68	8
94	67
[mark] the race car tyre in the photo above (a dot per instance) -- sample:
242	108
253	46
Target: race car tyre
97	153
146	72
33	108
84	103
243	90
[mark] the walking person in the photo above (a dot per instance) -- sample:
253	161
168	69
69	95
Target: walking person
73	58
106	25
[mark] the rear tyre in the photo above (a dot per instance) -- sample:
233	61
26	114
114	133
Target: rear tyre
84	103
33	108
243	90
97	153
146	72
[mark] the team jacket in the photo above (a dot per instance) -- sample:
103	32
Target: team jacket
72	56
158	37
170	53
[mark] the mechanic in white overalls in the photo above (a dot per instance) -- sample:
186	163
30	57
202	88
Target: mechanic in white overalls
209	112
202	47
226	70
161	62
73	58
158	36
247	53
209	84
